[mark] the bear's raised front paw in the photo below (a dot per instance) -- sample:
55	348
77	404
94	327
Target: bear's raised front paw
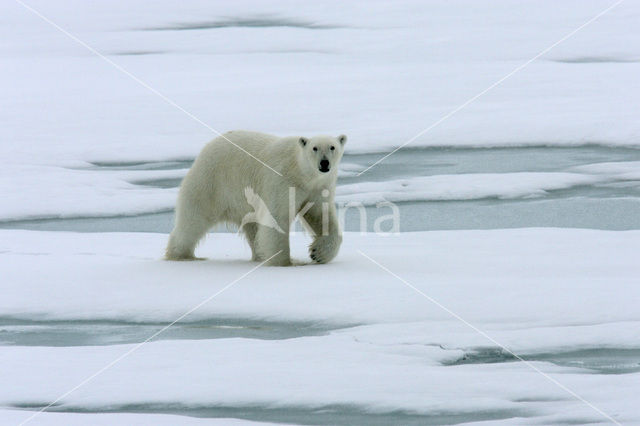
324	249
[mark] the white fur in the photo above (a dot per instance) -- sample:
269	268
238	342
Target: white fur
215	189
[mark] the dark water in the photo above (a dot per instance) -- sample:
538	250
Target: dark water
614	205
257	21
20	332
340	415
597	360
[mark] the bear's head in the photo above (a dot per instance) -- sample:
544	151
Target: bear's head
322	154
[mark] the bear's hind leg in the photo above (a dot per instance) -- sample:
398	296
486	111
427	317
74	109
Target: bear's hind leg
185	237
250	230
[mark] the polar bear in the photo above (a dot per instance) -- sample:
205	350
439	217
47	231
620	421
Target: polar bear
260	182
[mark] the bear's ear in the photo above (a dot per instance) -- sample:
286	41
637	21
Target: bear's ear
342	139
303	141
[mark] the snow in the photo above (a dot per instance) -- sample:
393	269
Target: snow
622	170
115	260
380	73
124	194
347	342
535	291
72	193
470	186
461	187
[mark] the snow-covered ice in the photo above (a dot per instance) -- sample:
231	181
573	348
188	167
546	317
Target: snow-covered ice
544	294
378	71
556	144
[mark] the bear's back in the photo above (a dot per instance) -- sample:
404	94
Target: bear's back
240	150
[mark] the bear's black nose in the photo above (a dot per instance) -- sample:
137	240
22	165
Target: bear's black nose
324	165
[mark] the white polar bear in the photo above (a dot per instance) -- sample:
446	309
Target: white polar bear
261	182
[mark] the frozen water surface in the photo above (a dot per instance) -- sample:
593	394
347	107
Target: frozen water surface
608	200
81	333
340	415
353	345
599	360
85	149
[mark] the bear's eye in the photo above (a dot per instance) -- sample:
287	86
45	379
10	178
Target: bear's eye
333	148
315	148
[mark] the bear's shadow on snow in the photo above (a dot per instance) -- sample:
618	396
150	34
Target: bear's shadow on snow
217	262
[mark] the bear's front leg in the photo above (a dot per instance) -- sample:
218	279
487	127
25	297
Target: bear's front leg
326	229
272	244
324	248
